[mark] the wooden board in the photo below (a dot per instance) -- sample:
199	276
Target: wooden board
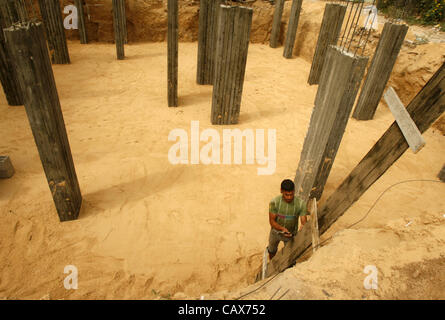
406	124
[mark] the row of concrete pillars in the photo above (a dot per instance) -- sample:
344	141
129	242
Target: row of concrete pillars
339	74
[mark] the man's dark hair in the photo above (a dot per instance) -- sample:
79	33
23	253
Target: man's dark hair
287	185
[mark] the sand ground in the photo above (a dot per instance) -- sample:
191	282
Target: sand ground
150	229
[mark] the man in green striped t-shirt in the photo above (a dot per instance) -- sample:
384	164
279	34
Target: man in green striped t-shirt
284	211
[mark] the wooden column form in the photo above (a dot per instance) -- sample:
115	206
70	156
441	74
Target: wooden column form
424	109
81	22
172	53
45	116
207	37
339	84
329	32
292	28
55	31
380	70
8	75
276	23
119	36
231	57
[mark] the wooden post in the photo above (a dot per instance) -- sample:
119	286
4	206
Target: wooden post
81	20
6	168
406	124
329	32
119	30
42	105
207	37
335	98
8	76
231	57
172	53
292	28
424	109
314	225
380	70
55	31
276	23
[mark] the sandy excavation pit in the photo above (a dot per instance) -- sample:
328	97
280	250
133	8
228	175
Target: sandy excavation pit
151	229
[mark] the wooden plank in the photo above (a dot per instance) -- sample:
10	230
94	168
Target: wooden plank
292	28
424	109
379	71
42	105
406	124
6	168
276	23
81	18
172	47
329	32
55	31
314	225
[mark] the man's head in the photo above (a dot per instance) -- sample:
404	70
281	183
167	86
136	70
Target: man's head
287	190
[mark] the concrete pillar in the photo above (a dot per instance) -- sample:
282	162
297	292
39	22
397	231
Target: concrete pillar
329	32
207	37
11	87
81	20
45	117
172	53
230	65
339	84
380	70
119	28
276	23
292	28
55	31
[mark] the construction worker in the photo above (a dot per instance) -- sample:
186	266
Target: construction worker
284	211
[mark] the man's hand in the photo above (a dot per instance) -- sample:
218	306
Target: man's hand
286	233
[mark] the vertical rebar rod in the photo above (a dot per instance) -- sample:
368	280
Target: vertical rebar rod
349	31
356	23
347	22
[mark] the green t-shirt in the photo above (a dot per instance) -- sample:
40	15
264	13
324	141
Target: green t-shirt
288	213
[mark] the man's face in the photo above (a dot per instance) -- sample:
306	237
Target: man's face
288	196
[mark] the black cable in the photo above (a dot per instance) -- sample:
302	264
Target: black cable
373	205
363	218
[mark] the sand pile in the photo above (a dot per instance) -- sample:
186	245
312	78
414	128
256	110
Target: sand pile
150	229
